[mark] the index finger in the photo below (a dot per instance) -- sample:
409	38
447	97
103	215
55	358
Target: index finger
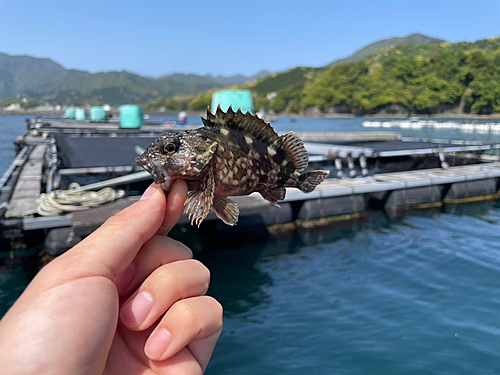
175	207
112	247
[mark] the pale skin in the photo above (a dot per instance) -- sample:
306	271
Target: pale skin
126	300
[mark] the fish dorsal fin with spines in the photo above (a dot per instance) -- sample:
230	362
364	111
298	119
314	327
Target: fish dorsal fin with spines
249	124
290	144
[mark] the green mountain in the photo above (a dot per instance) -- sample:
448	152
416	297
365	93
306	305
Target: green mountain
413	39
301	75
410	79
282	80
216	81
413	51
188	79
44	80
113	88
21	73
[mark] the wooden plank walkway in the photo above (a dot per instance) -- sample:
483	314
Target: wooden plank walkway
27	190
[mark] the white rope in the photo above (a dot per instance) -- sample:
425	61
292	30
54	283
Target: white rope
60	201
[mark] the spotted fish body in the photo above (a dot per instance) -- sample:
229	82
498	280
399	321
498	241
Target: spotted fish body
233	154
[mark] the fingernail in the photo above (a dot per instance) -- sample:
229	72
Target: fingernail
123	280
149	191
136	310
157	343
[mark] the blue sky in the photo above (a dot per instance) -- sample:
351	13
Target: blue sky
226	37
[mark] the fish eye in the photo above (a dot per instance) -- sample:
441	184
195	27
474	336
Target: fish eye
169	148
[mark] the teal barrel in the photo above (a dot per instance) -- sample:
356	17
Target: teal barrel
97	114
237	98
69	113
131	116
80	114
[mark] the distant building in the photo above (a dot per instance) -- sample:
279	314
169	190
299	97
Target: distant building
13	107
271	96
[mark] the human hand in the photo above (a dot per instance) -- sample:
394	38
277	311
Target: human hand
126	300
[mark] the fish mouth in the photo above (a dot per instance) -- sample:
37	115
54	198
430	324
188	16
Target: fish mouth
155	169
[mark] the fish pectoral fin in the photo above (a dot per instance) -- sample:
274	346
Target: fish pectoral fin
226	210
199	202
198	206
274	195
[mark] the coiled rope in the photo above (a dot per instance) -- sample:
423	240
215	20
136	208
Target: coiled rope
60	201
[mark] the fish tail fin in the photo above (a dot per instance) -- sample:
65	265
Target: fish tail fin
308	181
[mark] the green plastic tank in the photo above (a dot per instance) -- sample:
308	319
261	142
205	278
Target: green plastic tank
97	114
69	113
131	116
237	98
80	114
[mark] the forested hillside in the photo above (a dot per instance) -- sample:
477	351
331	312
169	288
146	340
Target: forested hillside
428	78
413	39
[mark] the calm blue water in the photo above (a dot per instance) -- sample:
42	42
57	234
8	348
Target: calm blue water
413	294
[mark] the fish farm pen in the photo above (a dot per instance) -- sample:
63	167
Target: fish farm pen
69	176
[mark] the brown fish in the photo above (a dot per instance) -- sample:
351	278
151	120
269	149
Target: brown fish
233	154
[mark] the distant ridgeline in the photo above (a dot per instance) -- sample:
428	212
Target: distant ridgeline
41	80
411	75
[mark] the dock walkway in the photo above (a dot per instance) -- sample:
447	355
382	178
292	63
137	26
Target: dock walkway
27	190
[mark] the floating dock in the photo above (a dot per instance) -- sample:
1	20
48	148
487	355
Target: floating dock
334	199
370	171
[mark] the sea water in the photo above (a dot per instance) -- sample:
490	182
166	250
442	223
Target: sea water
417	293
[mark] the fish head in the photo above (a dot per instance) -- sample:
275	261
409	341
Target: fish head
173	156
